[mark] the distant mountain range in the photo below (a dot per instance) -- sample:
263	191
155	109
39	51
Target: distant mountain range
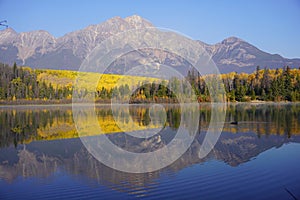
39	49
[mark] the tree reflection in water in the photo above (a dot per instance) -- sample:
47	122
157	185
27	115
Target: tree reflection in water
36	142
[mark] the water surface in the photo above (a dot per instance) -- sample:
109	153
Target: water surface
41	156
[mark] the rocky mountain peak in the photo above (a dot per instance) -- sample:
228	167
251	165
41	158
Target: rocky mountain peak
137	21
7	35
8	31
39	34
231	40
39	49
34	42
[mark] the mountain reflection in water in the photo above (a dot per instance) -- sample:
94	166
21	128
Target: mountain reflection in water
42	141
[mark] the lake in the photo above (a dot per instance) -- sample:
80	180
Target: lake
43	157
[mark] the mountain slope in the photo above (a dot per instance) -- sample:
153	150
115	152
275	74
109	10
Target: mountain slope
234	54
39	49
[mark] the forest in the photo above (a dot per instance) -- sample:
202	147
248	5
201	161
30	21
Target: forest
24	83
19	83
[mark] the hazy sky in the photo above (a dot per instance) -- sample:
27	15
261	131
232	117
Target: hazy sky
271	25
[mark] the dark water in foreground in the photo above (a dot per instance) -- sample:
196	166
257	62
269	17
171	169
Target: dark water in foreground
41	156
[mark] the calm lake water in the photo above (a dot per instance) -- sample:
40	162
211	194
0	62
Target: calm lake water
41	156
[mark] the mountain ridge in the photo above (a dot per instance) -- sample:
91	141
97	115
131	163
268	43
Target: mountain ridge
40	49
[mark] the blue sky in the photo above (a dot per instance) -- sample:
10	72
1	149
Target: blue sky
271	25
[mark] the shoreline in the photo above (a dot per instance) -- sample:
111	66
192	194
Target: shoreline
28	103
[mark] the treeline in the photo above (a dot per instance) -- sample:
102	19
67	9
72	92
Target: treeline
263	85
144	93
17	83
21	83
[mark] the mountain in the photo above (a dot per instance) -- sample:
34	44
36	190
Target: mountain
39	49
234	54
